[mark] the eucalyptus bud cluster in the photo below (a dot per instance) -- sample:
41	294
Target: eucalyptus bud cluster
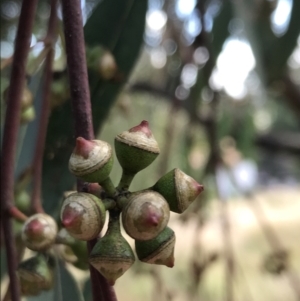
144	214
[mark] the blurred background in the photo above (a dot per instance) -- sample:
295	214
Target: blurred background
219	83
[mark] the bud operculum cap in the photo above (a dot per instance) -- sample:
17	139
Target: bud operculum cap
39	232
136	148
112	256
91	160
179	189
159	250
83	215
145	215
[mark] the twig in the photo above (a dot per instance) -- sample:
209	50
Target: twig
10	133
36	204
80	97
17	214
77	70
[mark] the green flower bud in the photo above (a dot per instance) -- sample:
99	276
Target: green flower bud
145	215
112	256
136	149
91	161
179	189
159	250
83	215
22	200
39	232
27	115
102	61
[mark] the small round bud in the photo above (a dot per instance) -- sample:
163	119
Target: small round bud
159	250
145	215
22	200
91	160
83	215
27	115
136	148
107	66
39	232
179	189
112	256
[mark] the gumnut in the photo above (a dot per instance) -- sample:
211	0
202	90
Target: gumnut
136	148
145	215
39	232
112	256
83	215
107	66
91	160
159	250
28	115
179	189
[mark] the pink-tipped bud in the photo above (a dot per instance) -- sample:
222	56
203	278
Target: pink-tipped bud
142	127
39	232
83	215
136	148
91	160
83	147
146	215
179	189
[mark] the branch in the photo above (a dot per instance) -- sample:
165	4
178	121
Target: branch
77	70
80	97
10	133
36	204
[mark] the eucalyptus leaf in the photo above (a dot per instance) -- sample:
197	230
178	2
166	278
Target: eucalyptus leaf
66	287
87	291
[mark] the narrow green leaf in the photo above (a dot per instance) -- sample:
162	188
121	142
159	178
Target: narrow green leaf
87	291
68	289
